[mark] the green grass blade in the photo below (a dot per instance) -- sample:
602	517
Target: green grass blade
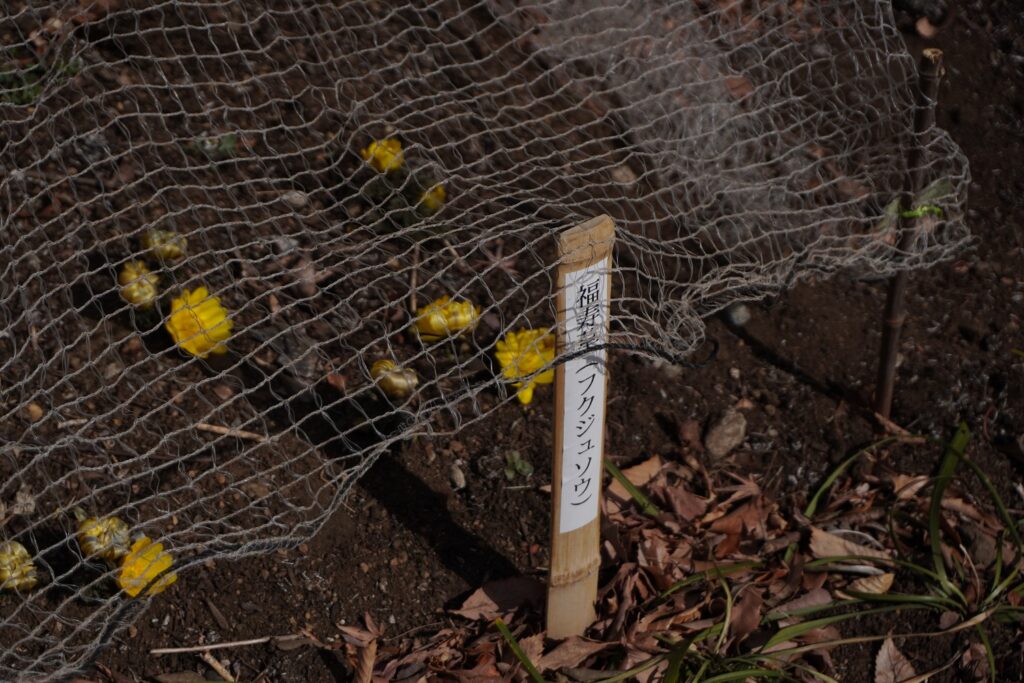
989	654
743	675
1011	524
643	501
831	479
954	453
518	651
708	574
631	673
936	602
797	630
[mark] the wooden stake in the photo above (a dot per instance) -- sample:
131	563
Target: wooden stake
583	303
930	73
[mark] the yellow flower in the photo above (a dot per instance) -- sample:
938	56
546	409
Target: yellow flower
107	538
396	383
523	353
165	245
198	323
384	155
17	572
143	564
433	199
138	284
444	317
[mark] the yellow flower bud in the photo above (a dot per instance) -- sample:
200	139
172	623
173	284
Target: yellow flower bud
384	155
165	245
138	284
107	538
523	353
198	323
142	565
444	317
17	571
396	383
433	199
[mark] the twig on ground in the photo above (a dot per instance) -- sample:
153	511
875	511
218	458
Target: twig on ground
69	424
230	431
903	435
213	646
414	277
215	664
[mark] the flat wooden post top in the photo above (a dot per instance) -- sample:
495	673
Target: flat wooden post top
587	242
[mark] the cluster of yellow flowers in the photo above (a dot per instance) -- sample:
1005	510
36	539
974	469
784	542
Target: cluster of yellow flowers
525	356
522	356
197	322
387	156
141	564
446	318
17	571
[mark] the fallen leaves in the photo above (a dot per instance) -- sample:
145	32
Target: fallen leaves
825	545
501	598
891	666
873	585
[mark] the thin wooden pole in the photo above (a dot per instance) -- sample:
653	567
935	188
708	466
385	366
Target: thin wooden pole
930	74
583	307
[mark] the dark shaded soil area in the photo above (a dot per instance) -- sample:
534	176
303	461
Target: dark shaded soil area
802	370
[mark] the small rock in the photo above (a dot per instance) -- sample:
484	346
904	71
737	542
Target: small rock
458	478
734	373
738	315
364	568
303	549
726	434
223	392
35	412
925	28
24	501
624	175
295	199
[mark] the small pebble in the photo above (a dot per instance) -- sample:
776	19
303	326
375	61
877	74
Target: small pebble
726	434
738	314
295	199
35	412
458	477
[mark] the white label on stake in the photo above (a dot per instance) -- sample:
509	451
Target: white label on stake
588	302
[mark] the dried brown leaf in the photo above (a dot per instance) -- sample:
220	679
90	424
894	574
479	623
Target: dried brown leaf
825	544
749	517
498	598
687	506
746	615
875	585
533	646
640	475
814	598
906	487
570	653
364	664
891	666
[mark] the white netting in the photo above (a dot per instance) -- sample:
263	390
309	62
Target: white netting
739	144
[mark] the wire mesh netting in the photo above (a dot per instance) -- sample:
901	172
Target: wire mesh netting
219	216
